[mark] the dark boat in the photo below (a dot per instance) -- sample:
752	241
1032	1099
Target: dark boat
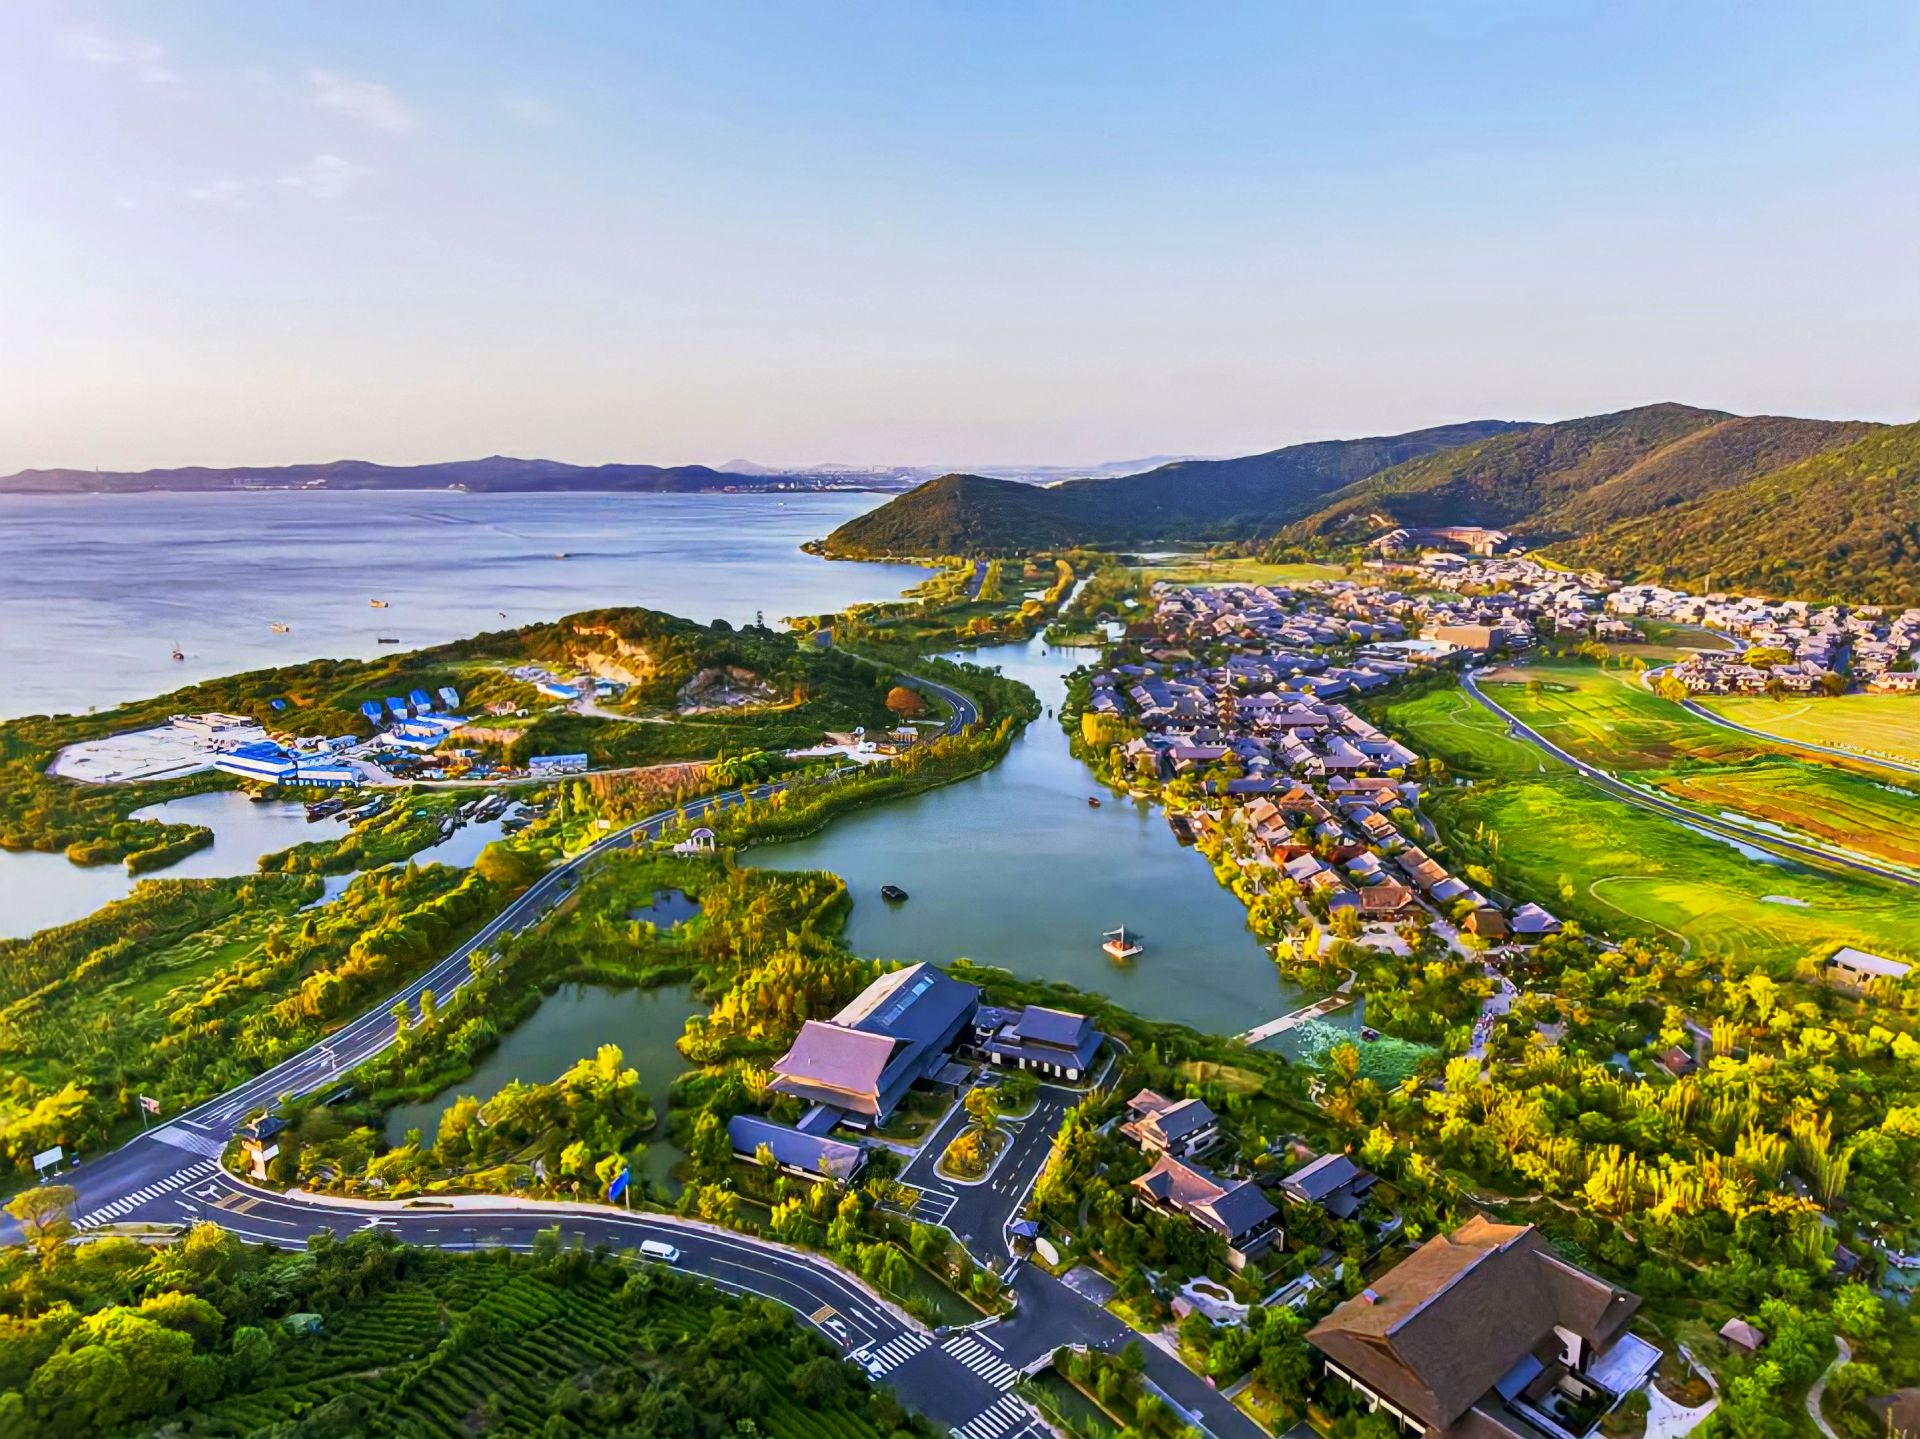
1093	801
892	893
387	640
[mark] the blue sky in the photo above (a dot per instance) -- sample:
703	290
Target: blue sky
936	234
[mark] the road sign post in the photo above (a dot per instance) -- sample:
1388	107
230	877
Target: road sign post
148	1105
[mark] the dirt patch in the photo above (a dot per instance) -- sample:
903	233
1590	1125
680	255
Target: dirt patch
725	688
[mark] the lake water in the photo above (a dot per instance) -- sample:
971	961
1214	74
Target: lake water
38	891
1013	868
96	590
571	1024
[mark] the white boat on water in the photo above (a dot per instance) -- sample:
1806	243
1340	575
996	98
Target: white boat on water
1121	945
378	604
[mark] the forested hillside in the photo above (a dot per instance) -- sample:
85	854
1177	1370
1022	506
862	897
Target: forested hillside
1843	525
1186	500
1574	475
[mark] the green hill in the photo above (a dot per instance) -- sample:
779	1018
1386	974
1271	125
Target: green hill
1186	500
1574	476
1841	525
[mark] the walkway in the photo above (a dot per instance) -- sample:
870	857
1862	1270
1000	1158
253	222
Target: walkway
1819	1389
1339	999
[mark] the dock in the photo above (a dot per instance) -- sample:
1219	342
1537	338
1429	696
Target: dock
1339	999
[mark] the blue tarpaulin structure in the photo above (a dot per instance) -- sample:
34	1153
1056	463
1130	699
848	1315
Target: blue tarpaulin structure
420	701
371	709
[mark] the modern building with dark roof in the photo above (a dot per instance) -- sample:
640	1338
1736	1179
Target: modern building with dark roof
1180	1127
1053	1042
897	1031
811	1155
1333	1182
1486	1333
1236	1210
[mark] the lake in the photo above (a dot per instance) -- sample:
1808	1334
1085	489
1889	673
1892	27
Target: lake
96	590
1013	868
38	891
570	1025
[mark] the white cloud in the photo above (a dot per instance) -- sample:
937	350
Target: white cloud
326	177
230	193
367	102
529	111
141	58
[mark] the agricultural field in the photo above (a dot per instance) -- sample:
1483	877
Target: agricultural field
1887	725
1606	718
1548	836
366	1338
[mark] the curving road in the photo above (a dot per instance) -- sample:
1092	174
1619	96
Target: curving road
1700	711
1643	799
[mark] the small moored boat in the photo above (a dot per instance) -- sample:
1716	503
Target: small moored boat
378	604
279	628
1093	801
1120	944
176	653
387	640
892	893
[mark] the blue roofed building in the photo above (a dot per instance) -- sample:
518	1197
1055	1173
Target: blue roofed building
810	1155
1054	1042
421	701
898	1031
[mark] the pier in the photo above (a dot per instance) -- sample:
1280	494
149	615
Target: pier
1339	999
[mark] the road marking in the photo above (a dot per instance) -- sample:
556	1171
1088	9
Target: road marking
899	1349
1002	1419
972	1354
179	1138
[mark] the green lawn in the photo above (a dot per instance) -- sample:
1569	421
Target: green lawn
1887	725
1609	718
1550	837
1203	571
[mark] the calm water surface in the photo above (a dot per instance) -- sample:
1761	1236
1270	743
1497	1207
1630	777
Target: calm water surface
571	1024
96	590
38	891
1013	868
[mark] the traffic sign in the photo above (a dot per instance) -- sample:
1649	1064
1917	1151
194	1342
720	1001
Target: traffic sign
150	1104
619	1185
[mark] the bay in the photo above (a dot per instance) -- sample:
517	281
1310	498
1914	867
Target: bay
97	590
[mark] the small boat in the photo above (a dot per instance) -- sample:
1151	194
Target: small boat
279	628
501	613
559	554
176	653
1121	945
387	640
892	893
378	604
1093	801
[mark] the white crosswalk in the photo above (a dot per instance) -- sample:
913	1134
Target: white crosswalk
982	1360
127	1203
899	1349
1006	1416
179	1138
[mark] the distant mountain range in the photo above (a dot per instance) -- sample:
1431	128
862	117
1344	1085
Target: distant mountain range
497	474
1819	509
1183	500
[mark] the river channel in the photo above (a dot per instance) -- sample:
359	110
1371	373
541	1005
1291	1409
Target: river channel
1014	868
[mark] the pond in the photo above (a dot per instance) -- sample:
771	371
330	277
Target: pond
669	909
38	890
1014	868
570	1025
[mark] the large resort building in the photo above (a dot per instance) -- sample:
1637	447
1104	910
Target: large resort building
1486	1333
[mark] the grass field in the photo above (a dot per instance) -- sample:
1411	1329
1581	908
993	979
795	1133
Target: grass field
1608	719
1875	724
1552	838
1202	571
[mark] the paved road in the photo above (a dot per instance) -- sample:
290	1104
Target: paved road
1858	756
1630	794
978	1213
148	1168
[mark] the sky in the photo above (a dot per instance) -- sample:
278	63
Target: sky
937	234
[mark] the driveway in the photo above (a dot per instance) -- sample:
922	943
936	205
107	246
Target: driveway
979	1211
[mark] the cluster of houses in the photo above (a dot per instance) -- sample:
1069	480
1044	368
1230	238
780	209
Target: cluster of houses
916	1026
1863	645
1308	790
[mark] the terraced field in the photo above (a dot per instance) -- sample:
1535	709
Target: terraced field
496	1344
